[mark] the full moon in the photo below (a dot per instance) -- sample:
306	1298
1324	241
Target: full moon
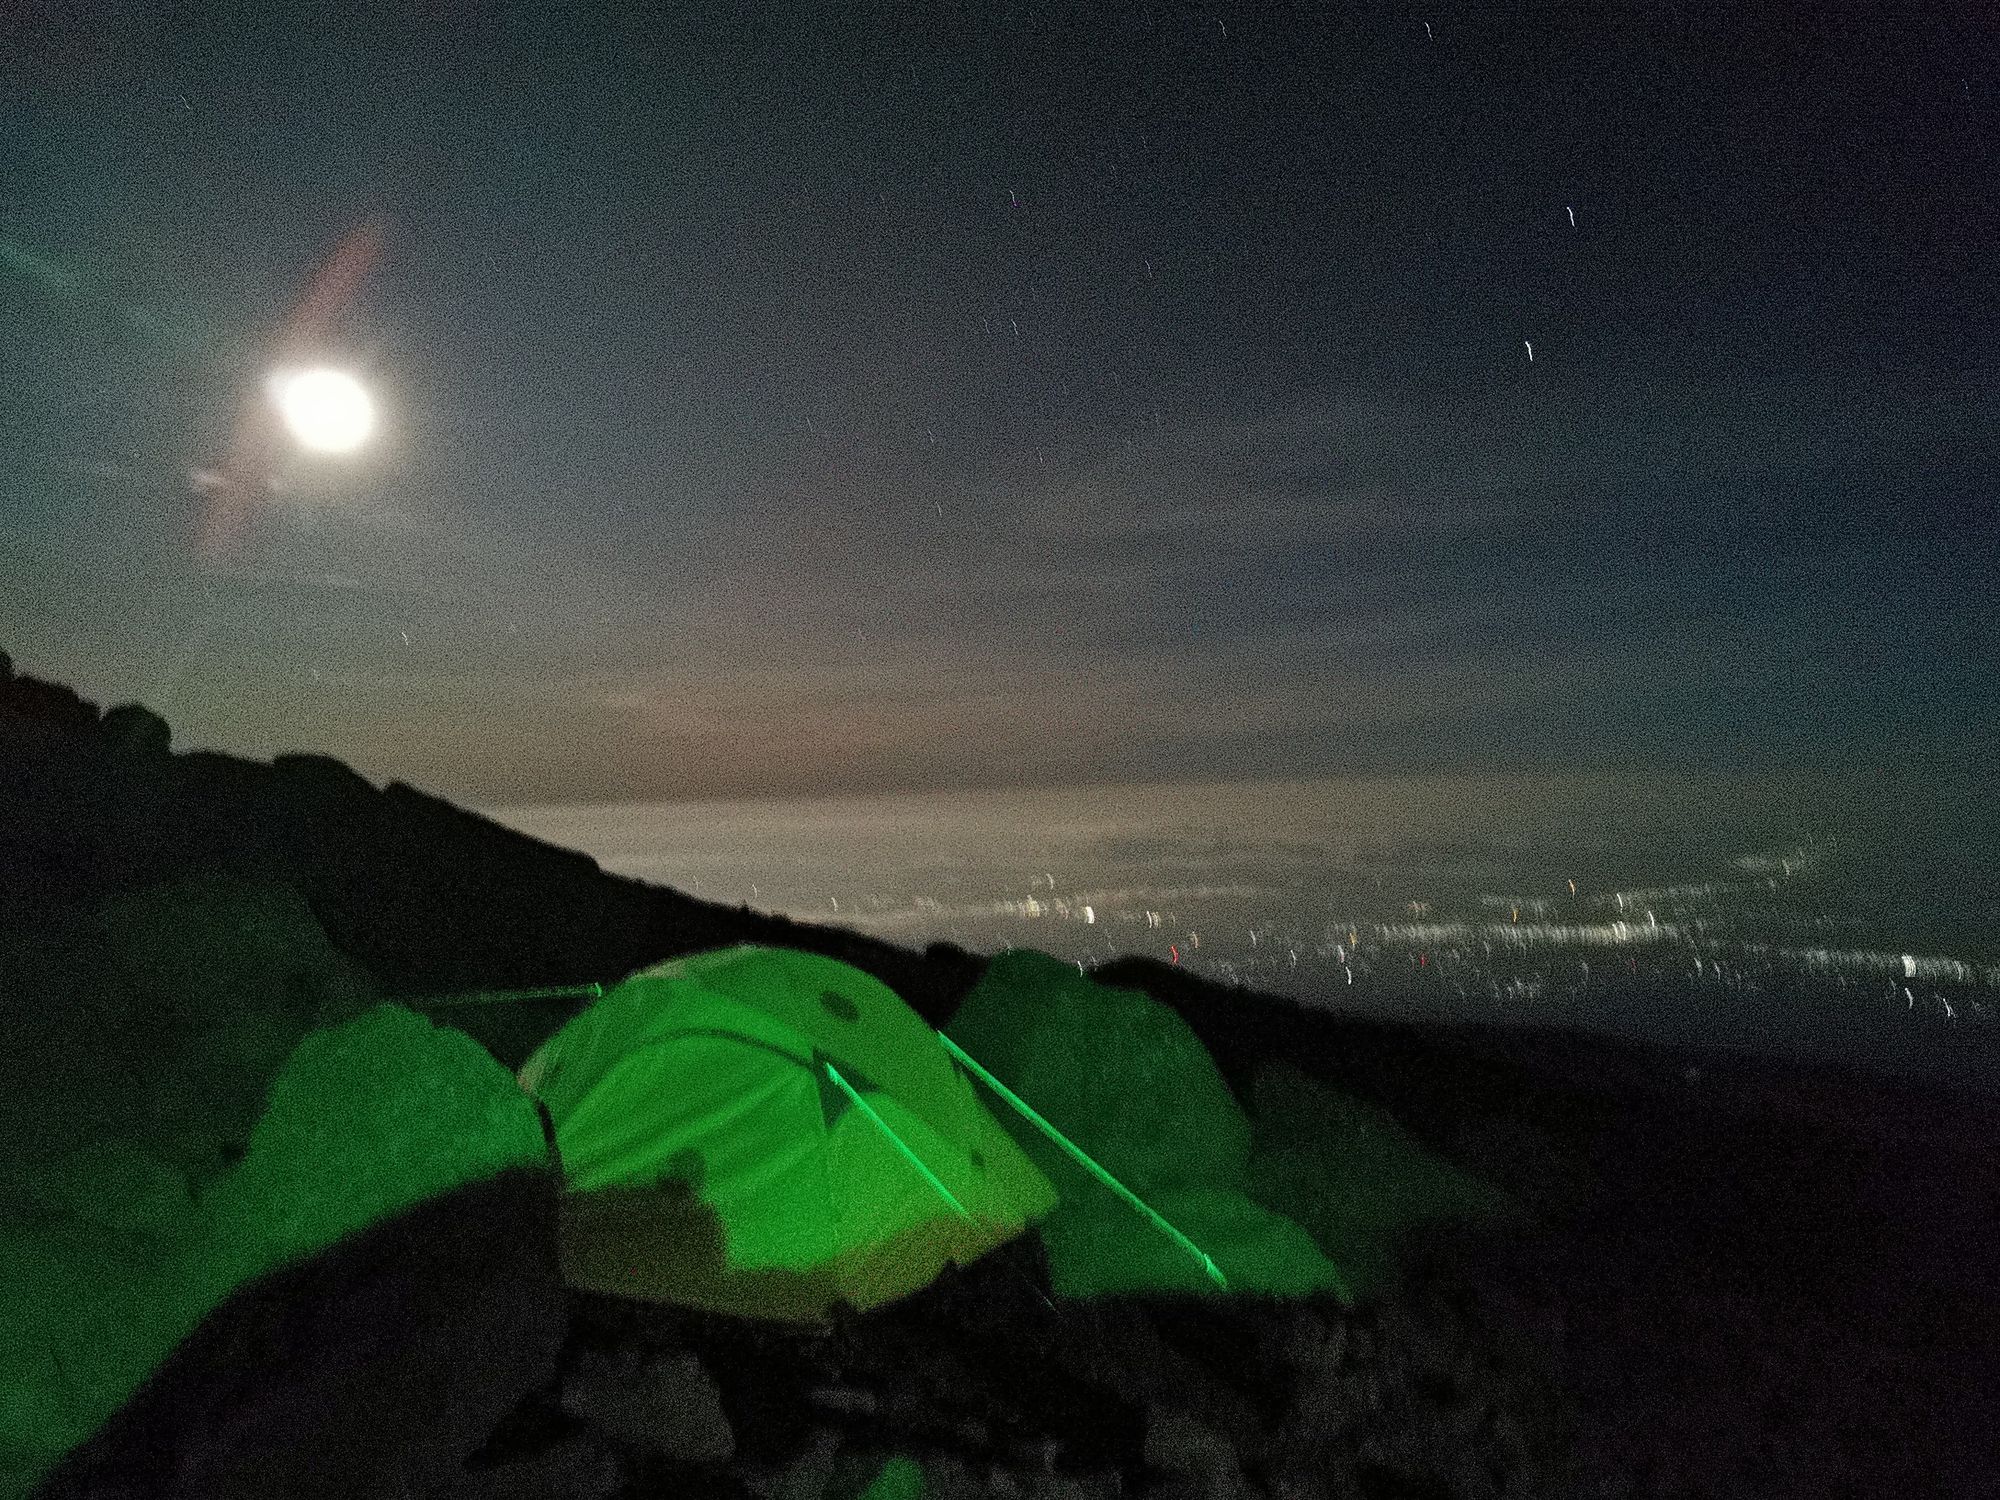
328	411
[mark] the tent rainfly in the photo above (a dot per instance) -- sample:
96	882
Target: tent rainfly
770	1133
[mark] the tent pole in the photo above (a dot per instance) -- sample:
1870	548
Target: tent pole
1090	1165
900	1144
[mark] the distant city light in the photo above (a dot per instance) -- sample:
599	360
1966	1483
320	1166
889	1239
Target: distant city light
1707	948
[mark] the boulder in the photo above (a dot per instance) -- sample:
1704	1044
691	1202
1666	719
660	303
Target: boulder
1099	1246
134	729
949	1477
1178	1442
369	1372
578	1468
323	775
351	1305
163	1018
667	1407
807	1476
1361	1185
1304	1340
46	702
1114	1070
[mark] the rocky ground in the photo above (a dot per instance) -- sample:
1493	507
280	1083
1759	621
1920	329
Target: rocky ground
1576	1362
989	1389
1787	1291
1584	1358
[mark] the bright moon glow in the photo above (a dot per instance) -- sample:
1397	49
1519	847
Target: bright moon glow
328	411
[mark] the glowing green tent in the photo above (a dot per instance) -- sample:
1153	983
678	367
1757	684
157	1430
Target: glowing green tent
1314	1191
1119	1076
768	1133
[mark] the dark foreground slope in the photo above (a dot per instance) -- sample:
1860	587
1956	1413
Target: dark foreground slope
1758	1283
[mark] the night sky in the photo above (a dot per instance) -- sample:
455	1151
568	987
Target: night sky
862	397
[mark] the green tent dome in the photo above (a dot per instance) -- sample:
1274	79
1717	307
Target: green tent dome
769	1133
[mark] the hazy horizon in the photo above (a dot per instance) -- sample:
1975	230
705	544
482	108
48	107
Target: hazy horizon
1755	917
1959	809
1928	855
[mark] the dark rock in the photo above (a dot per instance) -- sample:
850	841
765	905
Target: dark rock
578	1468
1304	1484
1305	1341
1180	1443
156	1025
983	1342
845	1399
323	775
666	1407
1071	1487
1327	1406
949	1477
49	703
1421	1344
1361	1341
1113	1344
1525	1159
807	1476
1225	1339
373	1370
134	729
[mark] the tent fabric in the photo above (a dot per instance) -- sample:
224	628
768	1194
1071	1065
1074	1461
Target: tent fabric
1115	1070
1321	1192
1125	1079
1354	1177
1097	1249
769	1132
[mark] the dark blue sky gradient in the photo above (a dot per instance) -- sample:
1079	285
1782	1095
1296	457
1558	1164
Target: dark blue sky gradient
820	400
